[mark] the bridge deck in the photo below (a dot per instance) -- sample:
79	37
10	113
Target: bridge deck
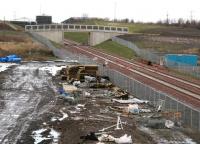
75	27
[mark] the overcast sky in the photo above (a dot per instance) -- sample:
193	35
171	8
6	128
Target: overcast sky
139	10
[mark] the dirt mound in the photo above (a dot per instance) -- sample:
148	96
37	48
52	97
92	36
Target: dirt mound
4	26
7	38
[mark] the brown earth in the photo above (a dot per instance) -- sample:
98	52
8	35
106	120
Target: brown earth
20	43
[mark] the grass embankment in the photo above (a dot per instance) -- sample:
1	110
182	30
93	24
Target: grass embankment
107	46
161	38
80	37
117	49
133	27
20	43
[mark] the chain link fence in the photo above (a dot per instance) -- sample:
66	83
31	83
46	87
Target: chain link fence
153	57
190	115
183	68
144	54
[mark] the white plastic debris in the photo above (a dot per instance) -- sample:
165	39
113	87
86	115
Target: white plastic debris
100	143
106	138
109	138
72	61
145	110
90	79
124	140
169	124
64	116
44	123
5	66
53	119
86	93
130	101
76	83
78	107
133	108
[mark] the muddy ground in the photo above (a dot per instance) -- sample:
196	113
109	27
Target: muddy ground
29	101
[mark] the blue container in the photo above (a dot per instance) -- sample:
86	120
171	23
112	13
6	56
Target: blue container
12	56
3	59
181	59
14	60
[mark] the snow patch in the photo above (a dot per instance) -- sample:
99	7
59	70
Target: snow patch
53	119
37	136
79	106
65	115
189	141
55	135
124	140
52	69
73	112
5	66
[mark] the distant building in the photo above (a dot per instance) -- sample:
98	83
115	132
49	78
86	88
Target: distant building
44	19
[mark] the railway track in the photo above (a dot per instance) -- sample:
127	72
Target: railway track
183	88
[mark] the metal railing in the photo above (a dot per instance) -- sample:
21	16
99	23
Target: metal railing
76	27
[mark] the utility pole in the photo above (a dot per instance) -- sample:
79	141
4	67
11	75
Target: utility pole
191	16
14	15
115	10
167	20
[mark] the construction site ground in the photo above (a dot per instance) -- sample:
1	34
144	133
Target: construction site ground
32	111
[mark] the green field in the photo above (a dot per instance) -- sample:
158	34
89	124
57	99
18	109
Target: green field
80	37
117	49
133	27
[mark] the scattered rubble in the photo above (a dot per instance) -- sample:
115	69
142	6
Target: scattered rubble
91	109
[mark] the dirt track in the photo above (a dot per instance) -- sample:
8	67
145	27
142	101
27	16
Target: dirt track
26	93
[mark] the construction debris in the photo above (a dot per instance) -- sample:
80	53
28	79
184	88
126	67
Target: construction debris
78	72
169	124
69	88
130	101
84	79
109	138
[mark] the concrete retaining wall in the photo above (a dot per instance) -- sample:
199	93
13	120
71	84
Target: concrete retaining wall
56	36
99	37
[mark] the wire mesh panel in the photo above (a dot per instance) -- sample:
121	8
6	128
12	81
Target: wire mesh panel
174	105
151	96
156	97
187	118
167	102
181	108
195	119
